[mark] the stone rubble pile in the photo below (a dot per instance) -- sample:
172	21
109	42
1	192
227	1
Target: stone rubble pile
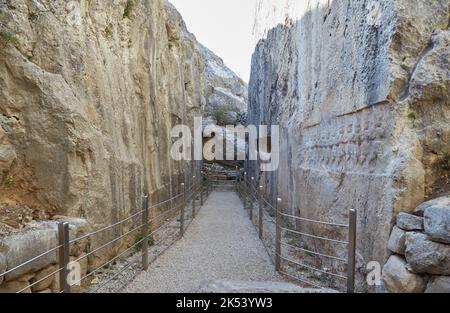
421	246
18	248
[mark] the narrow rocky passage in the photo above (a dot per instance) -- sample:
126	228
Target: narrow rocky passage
221	243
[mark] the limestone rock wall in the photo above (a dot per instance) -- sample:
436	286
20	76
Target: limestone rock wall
86	107
361	93
89	91
226	94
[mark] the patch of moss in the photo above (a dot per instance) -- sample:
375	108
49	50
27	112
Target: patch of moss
220	114
8	181
8	37
412	115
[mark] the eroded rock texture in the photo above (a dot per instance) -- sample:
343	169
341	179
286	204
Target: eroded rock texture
362	96
87	101
87	107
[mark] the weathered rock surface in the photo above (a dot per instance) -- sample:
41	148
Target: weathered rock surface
438	284
7	156
15	286
437	222
397	241
81	139
19	248
397	278
85	138
409	222
226	286
226	94
361	96
2	266
440	202
426	256
41	282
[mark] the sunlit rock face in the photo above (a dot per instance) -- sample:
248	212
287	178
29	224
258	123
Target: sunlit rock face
88	99
226	94
361	92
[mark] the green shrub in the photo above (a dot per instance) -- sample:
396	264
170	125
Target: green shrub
8	181
412	116
220	114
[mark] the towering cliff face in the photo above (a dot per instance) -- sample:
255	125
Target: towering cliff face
88	101
89	93
361	91
226	93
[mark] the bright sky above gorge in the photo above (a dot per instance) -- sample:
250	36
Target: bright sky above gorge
225	27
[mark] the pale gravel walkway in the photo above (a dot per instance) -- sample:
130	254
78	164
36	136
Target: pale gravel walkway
221	243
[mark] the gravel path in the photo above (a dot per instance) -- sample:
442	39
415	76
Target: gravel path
221	243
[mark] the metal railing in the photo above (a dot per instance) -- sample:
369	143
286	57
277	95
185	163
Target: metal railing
272	216
222	179
176	212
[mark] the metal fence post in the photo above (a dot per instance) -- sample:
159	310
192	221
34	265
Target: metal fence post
145	233
251	202
278	222
244	191
351	251
194	196
64	256
201	196
207	184
183	205
261	213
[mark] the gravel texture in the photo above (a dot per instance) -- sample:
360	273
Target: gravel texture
221	243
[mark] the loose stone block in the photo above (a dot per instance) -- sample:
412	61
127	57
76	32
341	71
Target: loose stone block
425	256
397	240
409	222
397	278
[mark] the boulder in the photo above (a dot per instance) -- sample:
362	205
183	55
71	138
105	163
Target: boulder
222	97
438	284
409	222
77	228
15	286
438	202
425	256
45	283
437	223
7	156
397	278
22	247
396	241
